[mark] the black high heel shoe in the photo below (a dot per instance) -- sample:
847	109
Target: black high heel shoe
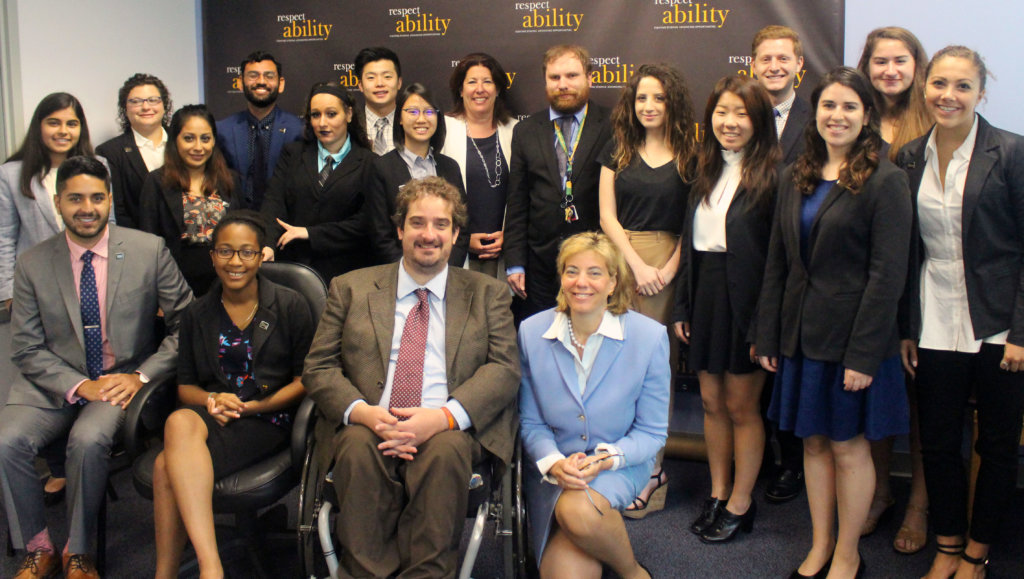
821	574
708	513
727	524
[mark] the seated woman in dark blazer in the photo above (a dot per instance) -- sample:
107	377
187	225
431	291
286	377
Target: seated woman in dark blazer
826	319
419	136
240	359
185	199
314	200
144	111
963	324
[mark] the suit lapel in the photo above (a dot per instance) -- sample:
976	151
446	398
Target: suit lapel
794	128
567	369
131	151
610	350
174	201
278	136
382	312
347	165
115	266
983	158
66	284
546	138
310	162
830	198
456	311
46	205
588	140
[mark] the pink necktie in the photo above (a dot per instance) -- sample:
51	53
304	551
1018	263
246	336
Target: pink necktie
407	387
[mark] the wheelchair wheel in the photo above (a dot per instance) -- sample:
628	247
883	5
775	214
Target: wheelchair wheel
311	496
522	560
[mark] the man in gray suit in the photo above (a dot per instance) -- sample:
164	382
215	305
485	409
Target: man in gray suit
84	341
415	370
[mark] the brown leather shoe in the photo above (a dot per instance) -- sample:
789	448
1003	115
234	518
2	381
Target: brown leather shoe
79	567
39	564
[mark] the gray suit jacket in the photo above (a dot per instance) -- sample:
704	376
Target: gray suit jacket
47	344
348	360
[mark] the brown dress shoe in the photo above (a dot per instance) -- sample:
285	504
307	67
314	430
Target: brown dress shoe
39	564
79	567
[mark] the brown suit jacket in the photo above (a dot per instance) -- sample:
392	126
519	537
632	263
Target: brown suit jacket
348	360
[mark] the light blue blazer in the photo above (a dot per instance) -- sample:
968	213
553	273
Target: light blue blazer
625	403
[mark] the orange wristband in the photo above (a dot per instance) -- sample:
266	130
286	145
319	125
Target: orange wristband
451	418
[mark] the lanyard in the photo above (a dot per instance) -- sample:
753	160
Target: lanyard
570	153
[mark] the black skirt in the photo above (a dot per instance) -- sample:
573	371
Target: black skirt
717	345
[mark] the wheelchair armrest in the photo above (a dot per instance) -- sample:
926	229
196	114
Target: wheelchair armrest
146	414
302	429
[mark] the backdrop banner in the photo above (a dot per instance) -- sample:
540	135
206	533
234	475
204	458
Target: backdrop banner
317	40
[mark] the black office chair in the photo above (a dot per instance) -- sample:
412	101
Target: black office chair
245	492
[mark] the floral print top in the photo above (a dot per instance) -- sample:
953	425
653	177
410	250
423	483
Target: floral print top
236	361
202	214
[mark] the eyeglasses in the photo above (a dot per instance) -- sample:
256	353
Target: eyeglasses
415	113
226	253
255	75
137	102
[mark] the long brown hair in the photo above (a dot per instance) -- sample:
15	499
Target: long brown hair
911	117
217	176
862	160
33	154
759	173
679	119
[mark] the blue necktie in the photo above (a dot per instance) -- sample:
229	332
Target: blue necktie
90	305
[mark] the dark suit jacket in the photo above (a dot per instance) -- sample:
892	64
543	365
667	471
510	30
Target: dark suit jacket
747	230
282	331
334	216
535	222
390	173
993	234
47	342
841	305
127	175
233	140
792	139
348	360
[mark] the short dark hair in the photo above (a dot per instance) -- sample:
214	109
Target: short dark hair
430	186
136	80
246	217
398	134
81	165
373	54
260	56
355	129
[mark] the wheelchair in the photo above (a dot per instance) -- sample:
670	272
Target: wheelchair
495	496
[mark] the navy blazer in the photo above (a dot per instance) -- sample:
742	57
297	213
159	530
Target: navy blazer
792	139
839	306
128	173
390	173
233	140
993	234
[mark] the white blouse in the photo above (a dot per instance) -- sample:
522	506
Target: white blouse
945	315
709	220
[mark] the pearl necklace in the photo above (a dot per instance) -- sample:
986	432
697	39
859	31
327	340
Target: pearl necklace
572	336
497	162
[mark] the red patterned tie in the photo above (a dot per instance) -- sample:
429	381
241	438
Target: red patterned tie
407	386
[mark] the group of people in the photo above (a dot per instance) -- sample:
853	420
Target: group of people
839	243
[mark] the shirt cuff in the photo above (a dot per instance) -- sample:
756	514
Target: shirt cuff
459	413
348	410
545	464
617	459
514	269
71	395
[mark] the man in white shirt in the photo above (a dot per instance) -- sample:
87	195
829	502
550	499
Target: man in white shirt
380	78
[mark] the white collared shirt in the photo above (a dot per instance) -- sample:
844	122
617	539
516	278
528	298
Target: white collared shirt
371	127
782	114
945	314
152	154
611	328
709	220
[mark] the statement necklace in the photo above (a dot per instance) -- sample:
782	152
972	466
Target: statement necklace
497	162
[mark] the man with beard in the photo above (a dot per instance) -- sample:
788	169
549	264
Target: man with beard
84	342
415	371
252	139
553	177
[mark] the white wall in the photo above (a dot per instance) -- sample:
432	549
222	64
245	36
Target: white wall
992	27
88	48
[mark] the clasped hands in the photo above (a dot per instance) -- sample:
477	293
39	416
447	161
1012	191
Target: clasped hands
225	407
117	389
576	470
400	438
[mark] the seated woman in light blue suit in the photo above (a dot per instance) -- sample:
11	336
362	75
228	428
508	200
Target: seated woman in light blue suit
594	411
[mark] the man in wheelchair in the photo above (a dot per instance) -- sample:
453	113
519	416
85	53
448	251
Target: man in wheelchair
415	371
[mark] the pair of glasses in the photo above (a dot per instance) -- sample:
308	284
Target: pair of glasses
415	113
137	102
226	253
254	75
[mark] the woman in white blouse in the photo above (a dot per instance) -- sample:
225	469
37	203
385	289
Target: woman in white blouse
725	245
963	322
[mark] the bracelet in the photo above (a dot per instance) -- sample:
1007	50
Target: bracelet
451	418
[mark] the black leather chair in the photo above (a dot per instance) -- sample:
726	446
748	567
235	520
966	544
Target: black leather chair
243	493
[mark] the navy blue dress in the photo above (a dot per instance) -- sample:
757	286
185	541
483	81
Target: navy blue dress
809	399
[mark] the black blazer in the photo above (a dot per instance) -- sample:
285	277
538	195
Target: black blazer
127	175
792	139
841	305
334	217
535	221
993	234
748	228
389	174
282	332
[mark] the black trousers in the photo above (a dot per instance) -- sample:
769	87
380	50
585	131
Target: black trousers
945	381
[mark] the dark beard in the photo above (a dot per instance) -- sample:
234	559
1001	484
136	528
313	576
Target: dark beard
257	102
